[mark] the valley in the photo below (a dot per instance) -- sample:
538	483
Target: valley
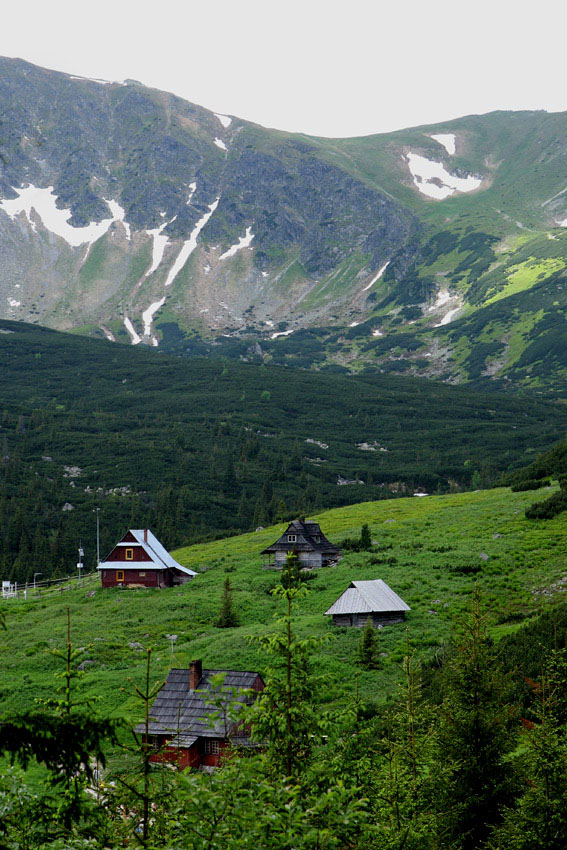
198	448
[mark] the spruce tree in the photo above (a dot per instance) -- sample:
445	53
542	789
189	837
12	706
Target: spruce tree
368	647
365	537
539	819
227	615
475	738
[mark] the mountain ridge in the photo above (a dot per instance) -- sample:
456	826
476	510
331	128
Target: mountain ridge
185	227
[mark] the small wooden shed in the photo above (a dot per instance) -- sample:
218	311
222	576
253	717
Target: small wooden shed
364	599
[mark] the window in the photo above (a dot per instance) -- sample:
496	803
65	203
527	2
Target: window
292	538
212	747
142	575
129	554
119	575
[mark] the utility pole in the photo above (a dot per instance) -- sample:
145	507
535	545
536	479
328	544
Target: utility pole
80	562
97	536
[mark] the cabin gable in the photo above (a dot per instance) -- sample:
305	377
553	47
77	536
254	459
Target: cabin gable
140	560
307	542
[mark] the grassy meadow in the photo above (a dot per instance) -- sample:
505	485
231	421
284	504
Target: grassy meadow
430	550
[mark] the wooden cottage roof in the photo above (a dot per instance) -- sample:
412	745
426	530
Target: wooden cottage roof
160	557
178	711
306	539
368	597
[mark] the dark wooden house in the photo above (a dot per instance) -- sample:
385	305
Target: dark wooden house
139	560
307	542
364	599
180	727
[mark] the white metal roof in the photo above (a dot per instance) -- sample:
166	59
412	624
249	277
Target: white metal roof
161	558
367	597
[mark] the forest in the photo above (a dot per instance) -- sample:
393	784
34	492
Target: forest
469	753
199	448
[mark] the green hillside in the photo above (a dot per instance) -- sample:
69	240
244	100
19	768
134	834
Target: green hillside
431	551
443	699
197	448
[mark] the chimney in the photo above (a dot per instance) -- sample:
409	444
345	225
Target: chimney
145	535
195	674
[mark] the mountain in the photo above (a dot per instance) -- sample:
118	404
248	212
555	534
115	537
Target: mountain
438	251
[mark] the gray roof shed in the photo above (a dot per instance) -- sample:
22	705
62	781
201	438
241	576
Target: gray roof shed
368	597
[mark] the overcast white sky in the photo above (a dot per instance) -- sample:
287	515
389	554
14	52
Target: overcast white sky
344	69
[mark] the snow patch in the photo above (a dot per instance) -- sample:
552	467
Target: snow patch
108	334
443	296
130	328
377	332
354	324
269	323
243	242
119	215
160	243
192	188
433	180
13	303
190	244
377	276
447	140
220	144
562	223
206	269
99	81
224	119
44	203
148	316
281	333
448	317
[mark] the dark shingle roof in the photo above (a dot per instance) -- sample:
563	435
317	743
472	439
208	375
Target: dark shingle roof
178	711
306	534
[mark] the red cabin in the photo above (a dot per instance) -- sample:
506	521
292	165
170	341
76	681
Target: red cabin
139	560
180	728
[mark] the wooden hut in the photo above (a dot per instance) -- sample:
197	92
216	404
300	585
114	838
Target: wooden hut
180	728
140	560
364	599
307	542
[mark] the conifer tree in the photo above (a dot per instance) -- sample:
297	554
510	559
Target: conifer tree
227	615
475	737
367	650
284	715
365	537
539	820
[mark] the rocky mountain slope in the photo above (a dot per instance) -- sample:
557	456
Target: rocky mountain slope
437	251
